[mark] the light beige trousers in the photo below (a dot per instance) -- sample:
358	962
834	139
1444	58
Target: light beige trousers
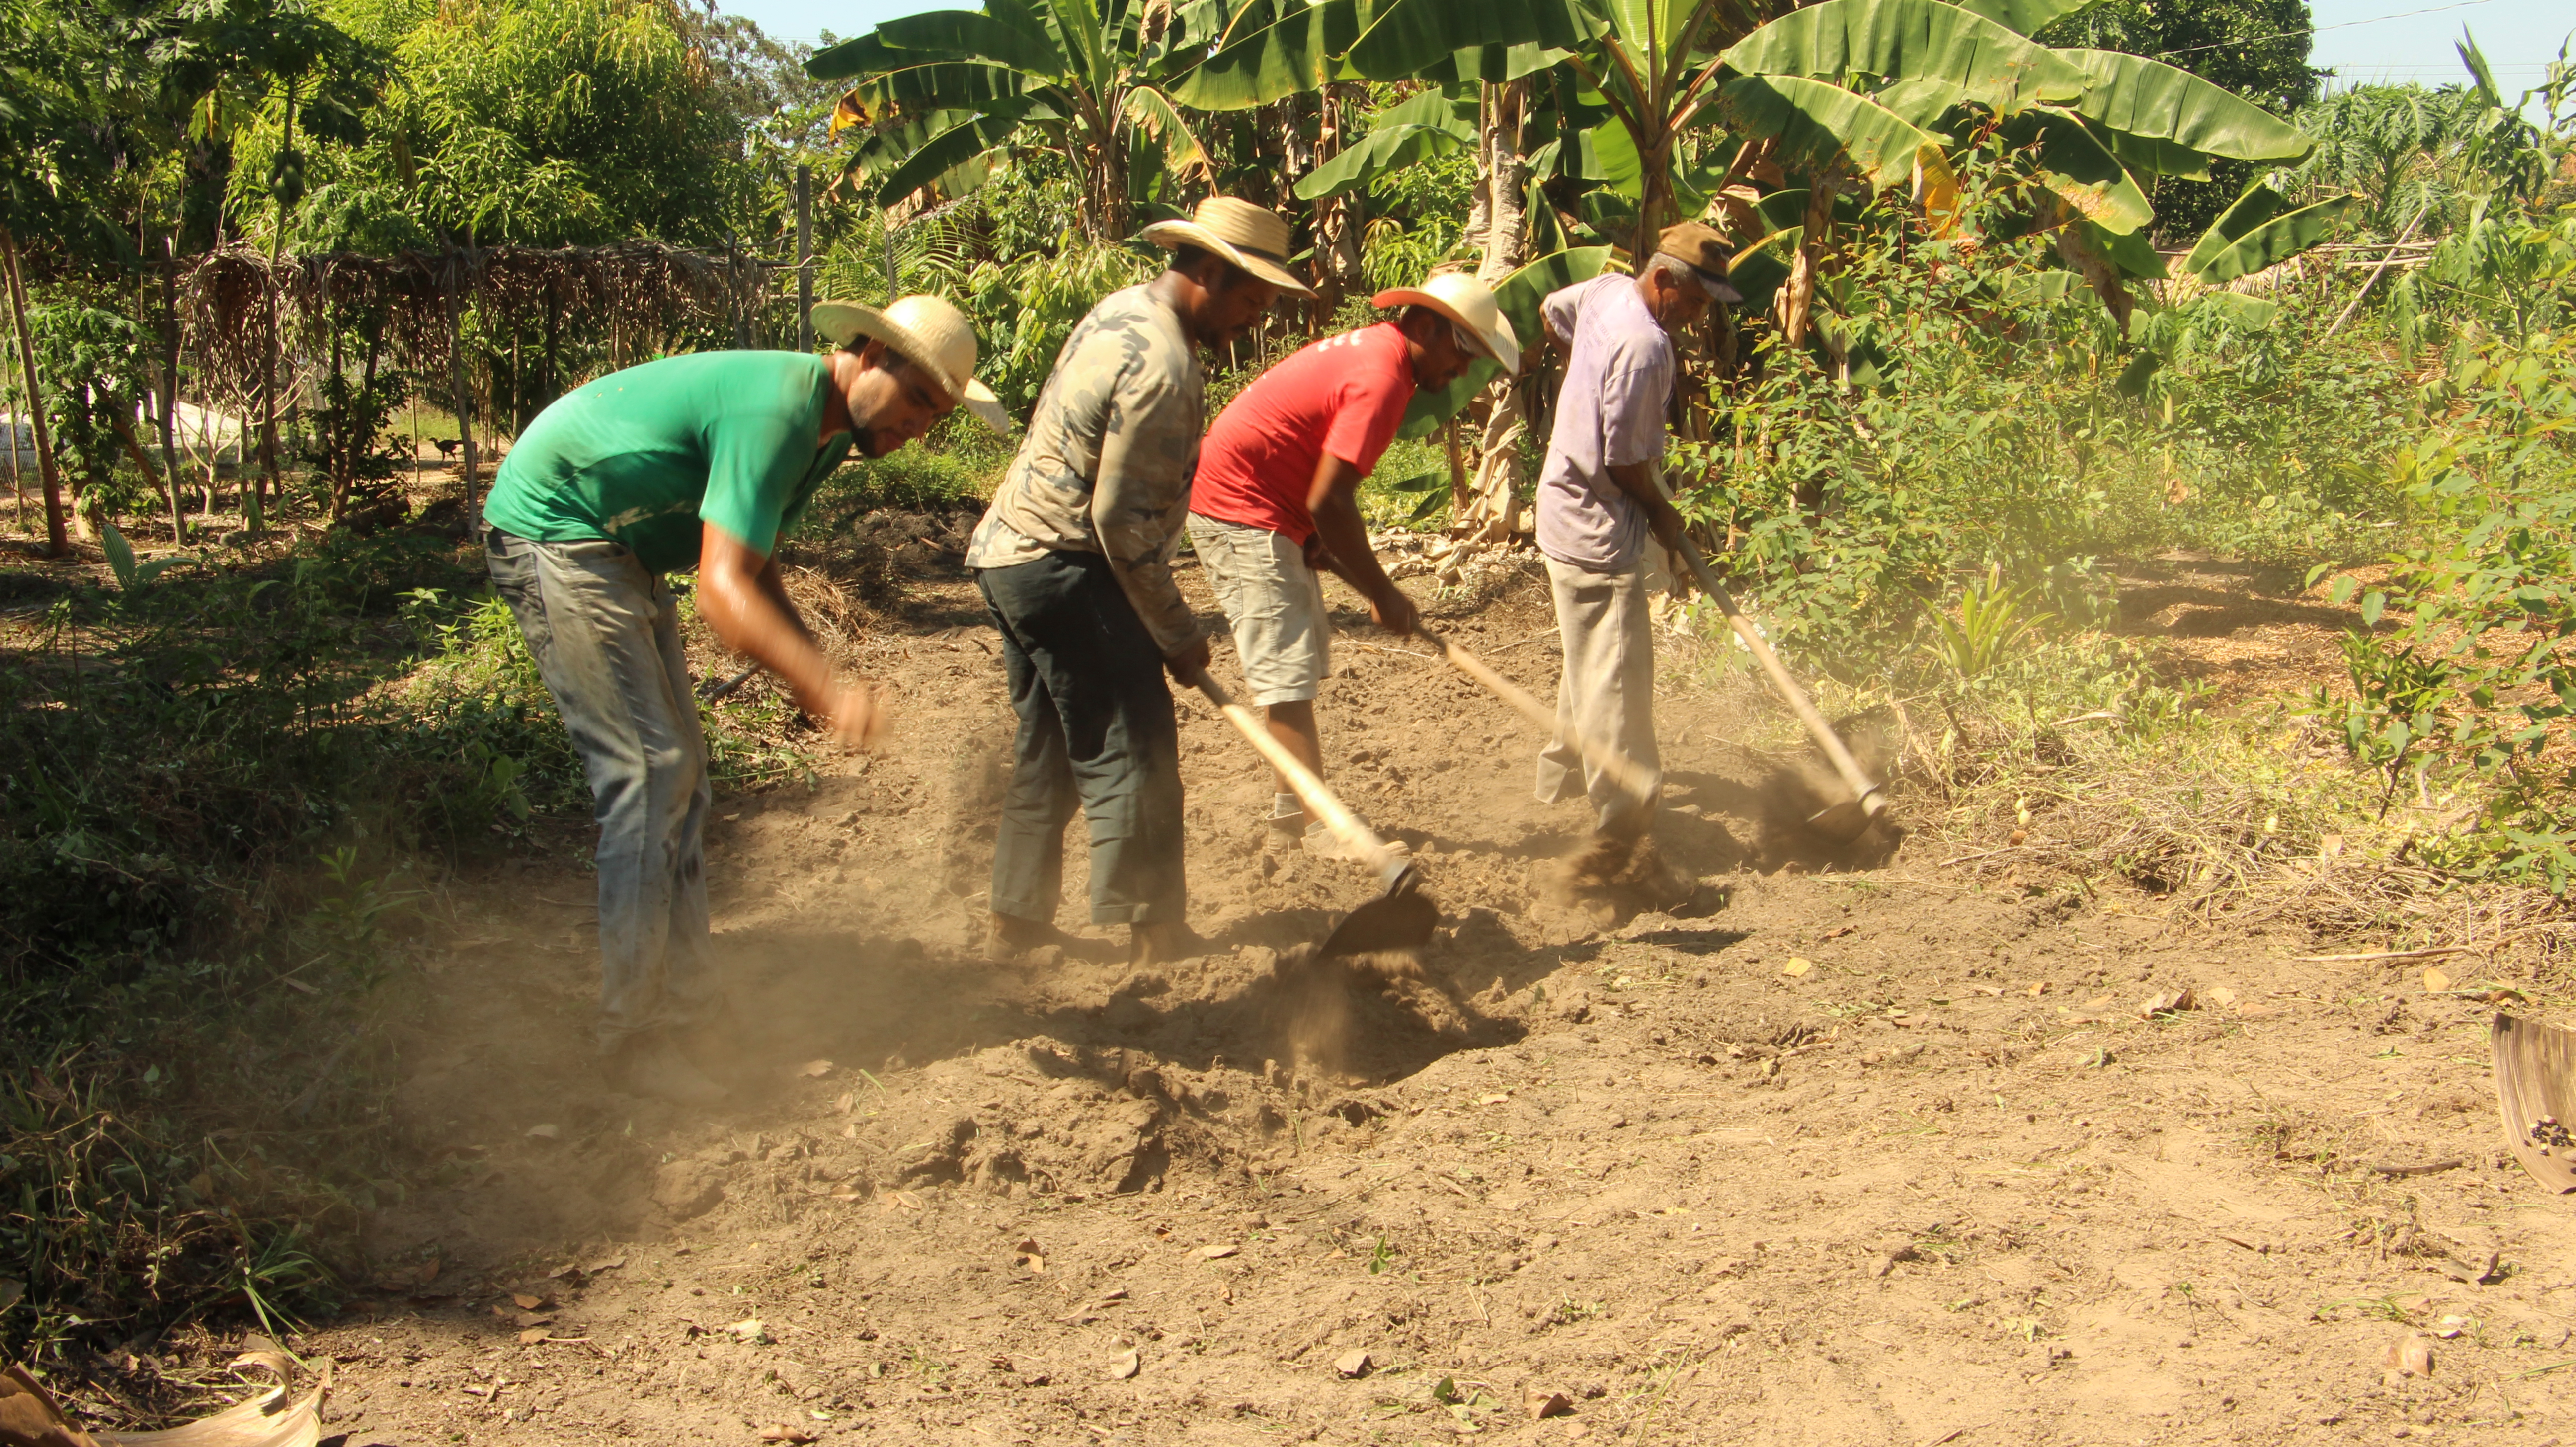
1607	691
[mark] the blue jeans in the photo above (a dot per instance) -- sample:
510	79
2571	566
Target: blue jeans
1097	730
606	637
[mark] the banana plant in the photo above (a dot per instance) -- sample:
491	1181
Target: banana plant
944	90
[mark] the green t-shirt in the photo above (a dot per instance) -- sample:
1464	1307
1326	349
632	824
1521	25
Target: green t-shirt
643	456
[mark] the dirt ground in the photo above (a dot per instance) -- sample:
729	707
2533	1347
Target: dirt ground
1851	1150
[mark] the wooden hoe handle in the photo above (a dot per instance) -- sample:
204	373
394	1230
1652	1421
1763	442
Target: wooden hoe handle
1623	770
1871	800
1310	790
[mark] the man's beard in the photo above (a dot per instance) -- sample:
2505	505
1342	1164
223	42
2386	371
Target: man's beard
863	441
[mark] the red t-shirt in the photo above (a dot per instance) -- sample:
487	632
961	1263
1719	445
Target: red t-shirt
1344	395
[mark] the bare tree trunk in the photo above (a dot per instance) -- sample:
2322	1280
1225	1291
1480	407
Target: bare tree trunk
456	381
57	544
169	409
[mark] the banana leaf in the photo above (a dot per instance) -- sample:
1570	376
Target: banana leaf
947	153
1818	123
2154	155
1758	270
2131	251
2250	312
1495	64
1610	157
1519	296
1430	108
2257	233
1925	102
968	35
2080	168
1375	155
1409	37
1295	54
2149	98
1909	40
2026	17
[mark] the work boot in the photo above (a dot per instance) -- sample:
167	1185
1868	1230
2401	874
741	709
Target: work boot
651	1065
1009	938
1162	943
714	1043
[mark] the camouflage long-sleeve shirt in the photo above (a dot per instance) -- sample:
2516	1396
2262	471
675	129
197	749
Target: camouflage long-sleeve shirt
1106	466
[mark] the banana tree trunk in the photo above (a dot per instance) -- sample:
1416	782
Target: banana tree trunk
1339	221
2095	268
57	544
1798	293
1503	179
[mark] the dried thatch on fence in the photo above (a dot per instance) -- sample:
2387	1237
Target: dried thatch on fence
643	291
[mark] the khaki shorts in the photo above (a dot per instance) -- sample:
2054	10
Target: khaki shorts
1276	604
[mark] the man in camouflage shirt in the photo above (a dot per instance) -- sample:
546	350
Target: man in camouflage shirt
1074	560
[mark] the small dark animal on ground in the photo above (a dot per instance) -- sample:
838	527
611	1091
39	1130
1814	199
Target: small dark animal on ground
446	445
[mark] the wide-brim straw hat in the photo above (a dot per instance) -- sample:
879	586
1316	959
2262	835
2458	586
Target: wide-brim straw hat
927	332
1468	302
1244	234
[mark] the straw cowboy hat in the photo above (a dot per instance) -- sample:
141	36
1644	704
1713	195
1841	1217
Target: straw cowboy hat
1468	302
927	332
1245	235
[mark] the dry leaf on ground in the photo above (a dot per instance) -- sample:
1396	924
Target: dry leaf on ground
2409	1356
1124	1365
2436	981
2469	1273
1797	967
750	1329
783	1432
532	1336
815	1069
1219	1251
1353	1364
1538	1404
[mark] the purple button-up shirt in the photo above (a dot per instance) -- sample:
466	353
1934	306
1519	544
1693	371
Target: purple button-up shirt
1609	413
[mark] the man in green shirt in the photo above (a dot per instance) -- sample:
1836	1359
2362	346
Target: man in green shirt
697	461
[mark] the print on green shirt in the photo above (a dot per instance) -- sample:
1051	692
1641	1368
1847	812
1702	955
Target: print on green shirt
643	456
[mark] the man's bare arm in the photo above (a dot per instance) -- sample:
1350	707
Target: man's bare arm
1334	500
743	600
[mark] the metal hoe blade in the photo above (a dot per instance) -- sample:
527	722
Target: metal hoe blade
1400	919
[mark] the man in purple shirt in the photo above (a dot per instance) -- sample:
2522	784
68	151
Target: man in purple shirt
1598	497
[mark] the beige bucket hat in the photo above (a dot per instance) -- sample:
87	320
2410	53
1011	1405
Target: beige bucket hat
1468	302
1242	233
929	333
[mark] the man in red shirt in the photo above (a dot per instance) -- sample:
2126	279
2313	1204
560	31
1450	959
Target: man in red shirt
1276	497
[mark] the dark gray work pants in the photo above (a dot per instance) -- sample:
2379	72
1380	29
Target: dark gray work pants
1097	731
